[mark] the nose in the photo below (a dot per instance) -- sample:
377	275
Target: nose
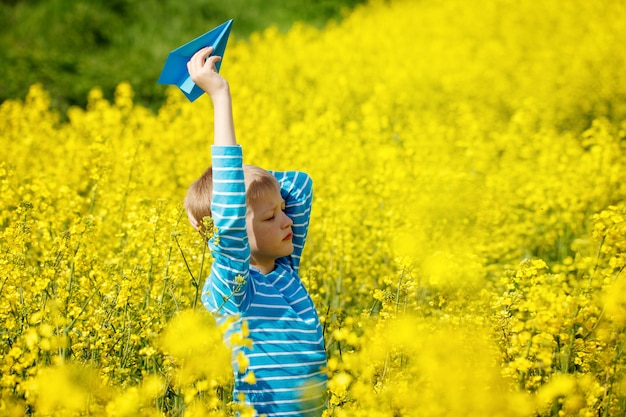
287	222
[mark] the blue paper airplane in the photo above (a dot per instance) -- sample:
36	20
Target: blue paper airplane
175	68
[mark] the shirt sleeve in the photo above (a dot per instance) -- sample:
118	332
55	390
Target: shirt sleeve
228	289
296	188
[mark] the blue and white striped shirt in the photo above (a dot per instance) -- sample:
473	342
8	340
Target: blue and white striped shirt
287	354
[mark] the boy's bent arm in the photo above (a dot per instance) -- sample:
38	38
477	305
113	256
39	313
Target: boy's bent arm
296	188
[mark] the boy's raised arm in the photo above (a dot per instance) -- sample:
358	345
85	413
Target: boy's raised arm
202	70
227	290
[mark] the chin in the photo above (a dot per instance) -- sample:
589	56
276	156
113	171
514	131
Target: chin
289	250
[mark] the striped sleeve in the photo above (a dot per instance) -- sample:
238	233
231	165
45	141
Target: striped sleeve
228	288
296	188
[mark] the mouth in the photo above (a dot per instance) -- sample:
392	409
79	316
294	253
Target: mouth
288	237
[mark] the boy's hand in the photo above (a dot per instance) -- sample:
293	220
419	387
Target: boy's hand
202	70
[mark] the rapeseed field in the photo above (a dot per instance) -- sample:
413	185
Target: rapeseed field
468	235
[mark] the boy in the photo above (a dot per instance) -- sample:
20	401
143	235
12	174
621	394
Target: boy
262	221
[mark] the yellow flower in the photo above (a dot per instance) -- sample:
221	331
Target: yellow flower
249	378
242	362
339	383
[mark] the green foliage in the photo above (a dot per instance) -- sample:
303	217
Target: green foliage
71	46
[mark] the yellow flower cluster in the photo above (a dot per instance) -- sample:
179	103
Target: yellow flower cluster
468	235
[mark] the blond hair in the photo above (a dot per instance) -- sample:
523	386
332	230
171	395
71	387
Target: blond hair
259	183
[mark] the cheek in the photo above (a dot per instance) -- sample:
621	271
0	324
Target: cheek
251	232
257	233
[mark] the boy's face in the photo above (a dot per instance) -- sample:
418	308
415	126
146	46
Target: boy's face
269	230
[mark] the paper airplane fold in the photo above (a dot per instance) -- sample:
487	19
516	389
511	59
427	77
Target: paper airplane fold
175	68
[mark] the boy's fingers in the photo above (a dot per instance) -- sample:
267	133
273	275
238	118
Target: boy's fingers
202	54
212	60
206	51
202	61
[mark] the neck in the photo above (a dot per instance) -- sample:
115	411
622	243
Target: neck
263	266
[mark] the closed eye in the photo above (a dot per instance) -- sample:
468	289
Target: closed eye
283	208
